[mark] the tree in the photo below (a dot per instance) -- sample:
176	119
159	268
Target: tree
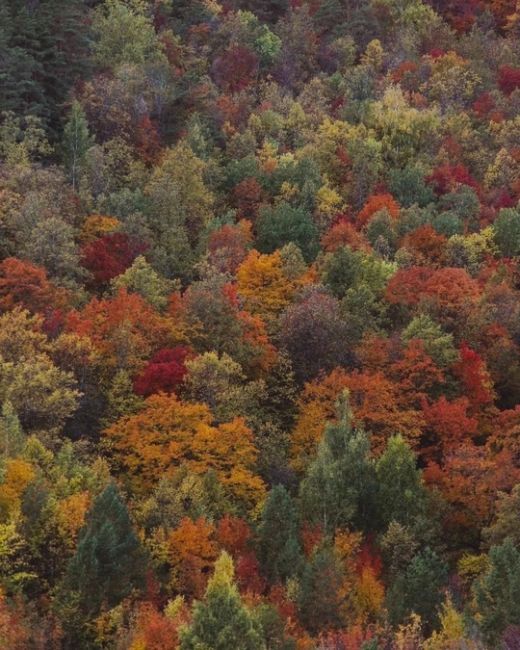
211	308
320	599
163	373
192	550
315	317
125	35
228	246
235	69
401	493
342	270
475	378
278	544
109	559
262	284
220	383
141	278
284	224
51	245
508	79
76	141
469	480
124	329
338	487
41	394
507	231
505	524
12	437
418	589
437	343
25	285
377	203
110	255
45	50
167	433
180	208
221	621
498	591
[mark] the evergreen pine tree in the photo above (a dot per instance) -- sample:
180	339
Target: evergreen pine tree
339	486
401	494
498	592
278	546
320	598
418	589
221	621
76	141
109	559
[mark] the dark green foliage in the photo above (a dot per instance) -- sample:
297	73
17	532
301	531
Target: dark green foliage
284	224
278	544
507	232
320	599
498	592
448	224
43	47
419	589
273	628
109	560
341	270
408	187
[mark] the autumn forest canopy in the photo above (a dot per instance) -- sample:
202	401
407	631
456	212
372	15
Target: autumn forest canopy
259	325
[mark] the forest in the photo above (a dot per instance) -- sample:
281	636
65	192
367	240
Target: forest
259	325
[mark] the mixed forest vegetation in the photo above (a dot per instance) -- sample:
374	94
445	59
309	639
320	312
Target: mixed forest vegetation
259	324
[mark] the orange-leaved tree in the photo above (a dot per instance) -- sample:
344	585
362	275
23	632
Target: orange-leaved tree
168	433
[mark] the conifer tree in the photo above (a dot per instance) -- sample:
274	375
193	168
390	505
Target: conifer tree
320	597
279	547
401	494
498	592
337	489
109	559
76	141
221	621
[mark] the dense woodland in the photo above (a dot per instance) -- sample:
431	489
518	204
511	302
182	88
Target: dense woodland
259	324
